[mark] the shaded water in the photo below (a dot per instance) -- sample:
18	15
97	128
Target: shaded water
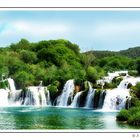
57	118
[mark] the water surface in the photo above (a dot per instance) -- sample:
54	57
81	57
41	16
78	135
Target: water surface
57	118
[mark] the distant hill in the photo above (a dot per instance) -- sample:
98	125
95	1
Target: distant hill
102	54
131	53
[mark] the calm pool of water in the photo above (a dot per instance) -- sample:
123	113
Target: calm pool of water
57	118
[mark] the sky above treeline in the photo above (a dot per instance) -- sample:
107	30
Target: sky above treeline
91	30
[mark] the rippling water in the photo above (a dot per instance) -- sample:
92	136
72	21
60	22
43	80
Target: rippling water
57	118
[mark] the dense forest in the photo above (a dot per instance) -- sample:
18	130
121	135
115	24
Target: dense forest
60	60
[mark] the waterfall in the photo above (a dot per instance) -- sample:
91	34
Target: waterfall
115	99
32	96
48	99
11	84
3	97
75	102
90	96
35	96
42	96
67	92
131	80
101	99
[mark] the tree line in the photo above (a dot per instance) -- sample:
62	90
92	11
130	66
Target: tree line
54	61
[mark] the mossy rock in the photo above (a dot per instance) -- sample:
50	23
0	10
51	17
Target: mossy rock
109	85
96	98
129	86
82	99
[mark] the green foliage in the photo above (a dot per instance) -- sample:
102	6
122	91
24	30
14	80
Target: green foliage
87	59
135	102
92	74
109	85
102	54
138	65
131	52
115	63
22	44
28	56
123	115
24	79
132	115
116	81
132	72
59	60
4	70
135	119
4	84
54	89
135	90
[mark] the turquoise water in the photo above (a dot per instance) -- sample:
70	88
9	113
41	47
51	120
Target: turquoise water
16	118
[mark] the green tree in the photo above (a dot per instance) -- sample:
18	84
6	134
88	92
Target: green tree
24	79
138	65
28	56
92	74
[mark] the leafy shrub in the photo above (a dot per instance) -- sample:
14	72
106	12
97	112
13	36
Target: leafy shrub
109	85
117	80
135	102
54	89
123	115
132	72
136	90
135	119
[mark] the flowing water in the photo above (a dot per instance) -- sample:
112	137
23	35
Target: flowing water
90	96
57	118
75	102
66	93
11	84
3	97
35	109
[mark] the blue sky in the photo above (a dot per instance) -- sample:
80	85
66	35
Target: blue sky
91	30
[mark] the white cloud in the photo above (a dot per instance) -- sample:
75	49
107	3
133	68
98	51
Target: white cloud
35	28
116	29
13	31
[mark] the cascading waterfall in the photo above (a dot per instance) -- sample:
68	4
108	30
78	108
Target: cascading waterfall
37	96
116	98
7	96
75	102
32	96
3	97
11	84
90	96
42	97
101	99
113	99
48	99
67	92
131	80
